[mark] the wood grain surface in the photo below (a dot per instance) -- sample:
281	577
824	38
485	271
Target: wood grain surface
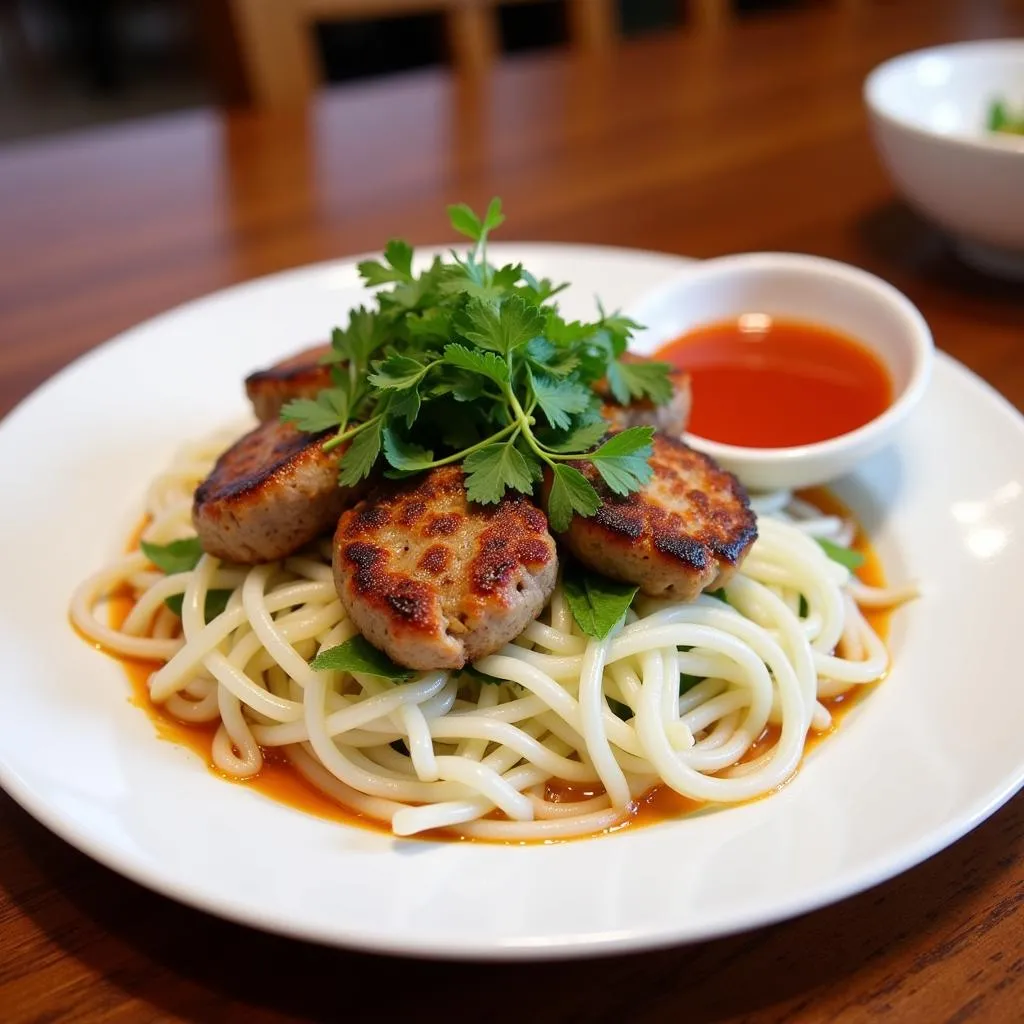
752	138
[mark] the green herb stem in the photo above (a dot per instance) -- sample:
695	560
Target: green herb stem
346	435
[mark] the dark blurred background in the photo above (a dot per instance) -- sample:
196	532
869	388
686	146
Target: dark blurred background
66	64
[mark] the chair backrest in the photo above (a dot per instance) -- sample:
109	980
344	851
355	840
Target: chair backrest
268	51
272	40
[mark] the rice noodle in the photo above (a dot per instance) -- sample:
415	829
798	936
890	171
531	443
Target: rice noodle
789	634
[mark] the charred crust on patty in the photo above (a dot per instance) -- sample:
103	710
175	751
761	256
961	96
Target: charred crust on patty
435	580
270	493
687	530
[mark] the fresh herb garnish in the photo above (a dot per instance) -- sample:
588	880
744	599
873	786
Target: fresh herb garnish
178	556
620	710
1001	120
183	556
215	603
853	560
359	655
688	682
482	677
476	364
597	603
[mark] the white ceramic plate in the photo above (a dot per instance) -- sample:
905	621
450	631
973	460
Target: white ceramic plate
931	753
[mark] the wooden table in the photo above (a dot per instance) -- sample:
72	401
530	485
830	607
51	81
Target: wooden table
755	139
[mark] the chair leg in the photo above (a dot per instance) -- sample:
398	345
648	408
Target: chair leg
593	24
708	14
473	35
276	49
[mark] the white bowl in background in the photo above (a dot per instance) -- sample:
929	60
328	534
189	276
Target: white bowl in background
929	114
809	289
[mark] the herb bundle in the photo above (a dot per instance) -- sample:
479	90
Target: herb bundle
476	363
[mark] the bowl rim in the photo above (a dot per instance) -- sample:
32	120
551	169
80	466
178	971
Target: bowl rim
921	346
992	142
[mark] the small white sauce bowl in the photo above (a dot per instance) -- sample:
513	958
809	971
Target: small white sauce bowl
929	115
813	290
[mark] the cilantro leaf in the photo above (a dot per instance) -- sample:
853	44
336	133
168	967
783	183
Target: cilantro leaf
472	282
398	372
535	466
486	363
399	268
312	415
183	556
445	358
539	291
493	218
433	324
597	603
215	603
570	492
620	710
623	460
632	382
359	655
504	328
465	221
399	255
848	557
547	358
178	556
360	456
403	454
560	399
583	437
481	677
405	405
492	470
688	682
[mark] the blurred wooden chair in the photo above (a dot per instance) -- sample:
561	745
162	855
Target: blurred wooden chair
716	14
269	45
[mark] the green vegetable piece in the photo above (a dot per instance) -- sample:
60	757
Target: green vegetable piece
359	655
503	328
397	372
635	382
492	470
178	556
598	604
688	682
312	415
620	710
476	362
215	603
361	455
570	492
853	560
403	454
482	677
561	399
487	364
623	460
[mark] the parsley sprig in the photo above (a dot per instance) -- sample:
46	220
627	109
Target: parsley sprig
471	363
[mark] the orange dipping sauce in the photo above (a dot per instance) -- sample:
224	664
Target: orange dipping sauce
761	382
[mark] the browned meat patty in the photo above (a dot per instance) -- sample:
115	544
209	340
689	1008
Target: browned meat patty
271	492
670	418
686	531
435	581
299	376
